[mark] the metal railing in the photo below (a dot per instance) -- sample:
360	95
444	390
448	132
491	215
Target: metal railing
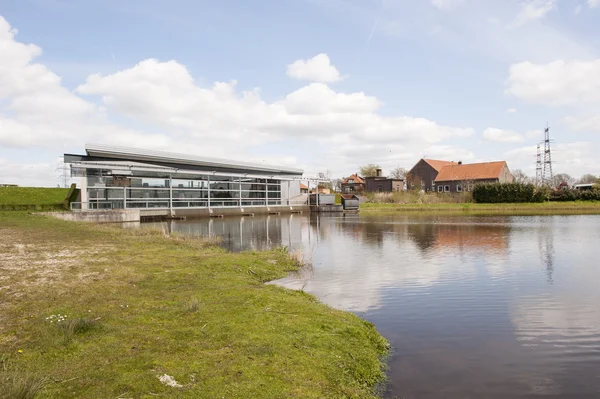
92	206
164	203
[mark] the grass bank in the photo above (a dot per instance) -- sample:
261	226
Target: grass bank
100	312
544	208
32	198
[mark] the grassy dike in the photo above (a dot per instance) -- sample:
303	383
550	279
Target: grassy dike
583	207
101	312
32	198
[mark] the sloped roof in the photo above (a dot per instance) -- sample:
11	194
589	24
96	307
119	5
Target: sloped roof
304	187
472	171
357	179
439	165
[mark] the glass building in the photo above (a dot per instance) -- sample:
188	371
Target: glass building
127	178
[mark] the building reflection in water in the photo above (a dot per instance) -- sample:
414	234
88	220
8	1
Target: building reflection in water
465	301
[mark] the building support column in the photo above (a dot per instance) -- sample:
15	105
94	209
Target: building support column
84	191
170	195
240	195
208	178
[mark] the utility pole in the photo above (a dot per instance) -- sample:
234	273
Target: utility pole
547	173
539	177
64	173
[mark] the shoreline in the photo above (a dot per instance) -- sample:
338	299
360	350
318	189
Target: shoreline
546	208
144	305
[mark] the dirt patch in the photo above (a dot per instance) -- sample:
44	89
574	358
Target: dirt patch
24	265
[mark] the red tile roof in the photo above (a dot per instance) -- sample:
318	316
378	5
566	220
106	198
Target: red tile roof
357	179
472	171
438	165
303	187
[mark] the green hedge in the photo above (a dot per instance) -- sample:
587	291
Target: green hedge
509	193
564	195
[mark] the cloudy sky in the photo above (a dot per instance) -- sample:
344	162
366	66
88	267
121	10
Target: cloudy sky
319	84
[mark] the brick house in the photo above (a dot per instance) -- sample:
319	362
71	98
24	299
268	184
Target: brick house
353	184
383	184
422	176
462	177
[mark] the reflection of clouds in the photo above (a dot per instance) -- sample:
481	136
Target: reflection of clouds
353	268
564	335
564	322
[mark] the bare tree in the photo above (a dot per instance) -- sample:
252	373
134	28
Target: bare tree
561	179
369	170
589	179
337	184
325	176
521	177
398	173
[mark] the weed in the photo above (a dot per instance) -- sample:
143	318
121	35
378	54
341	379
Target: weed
15	385
71	327
192	306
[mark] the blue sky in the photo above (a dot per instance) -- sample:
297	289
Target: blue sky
320	84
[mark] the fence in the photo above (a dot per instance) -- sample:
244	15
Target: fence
163	203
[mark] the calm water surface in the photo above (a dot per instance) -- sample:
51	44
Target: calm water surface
475	307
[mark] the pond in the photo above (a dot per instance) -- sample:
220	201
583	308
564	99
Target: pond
486	306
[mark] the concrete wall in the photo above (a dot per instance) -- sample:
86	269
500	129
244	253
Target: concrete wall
113	216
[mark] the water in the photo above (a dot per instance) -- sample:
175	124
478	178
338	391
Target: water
475	307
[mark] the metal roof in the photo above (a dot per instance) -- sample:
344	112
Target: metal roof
141	155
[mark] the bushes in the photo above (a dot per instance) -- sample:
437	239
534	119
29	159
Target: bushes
509	193
516	192
575	195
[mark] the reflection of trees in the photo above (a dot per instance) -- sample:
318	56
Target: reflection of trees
423	235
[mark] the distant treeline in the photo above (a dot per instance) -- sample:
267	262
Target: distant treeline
519	192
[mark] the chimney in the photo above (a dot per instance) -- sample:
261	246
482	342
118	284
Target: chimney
379	173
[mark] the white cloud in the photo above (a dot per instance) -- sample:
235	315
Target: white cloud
447	4
556	83
593	3
511	110
159	105
576	158
316	69
532	10
502	136
584	123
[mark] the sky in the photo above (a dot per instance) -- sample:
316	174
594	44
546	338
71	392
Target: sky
323	85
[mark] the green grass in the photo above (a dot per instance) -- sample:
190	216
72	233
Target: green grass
21	198
546	207
146	305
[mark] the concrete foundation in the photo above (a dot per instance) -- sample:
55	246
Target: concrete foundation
243	211
112	216
137	215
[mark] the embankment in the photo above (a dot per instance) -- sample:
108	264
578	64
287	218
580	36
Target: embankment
100	312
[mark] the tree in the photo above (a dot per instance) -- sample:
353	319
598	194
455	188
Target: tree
521	177
325	176
337	184
561	178
398	173
369	170
589	179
